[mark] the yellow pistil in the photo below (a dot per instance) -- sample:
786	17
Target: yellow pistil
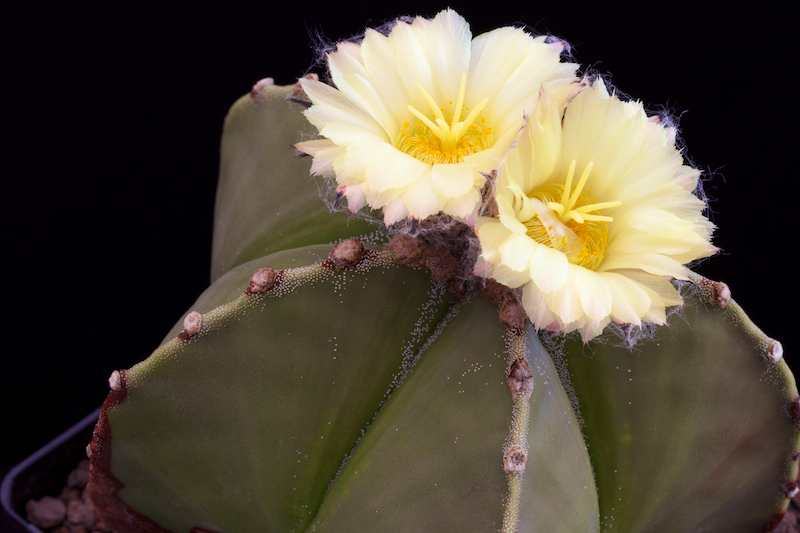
435	140
574	210
567	209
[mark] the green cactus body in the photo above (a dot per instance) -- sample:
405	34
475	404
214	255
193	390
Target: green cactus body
357	394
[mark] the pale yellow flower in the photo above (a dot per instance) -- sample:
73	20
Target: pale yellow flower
417	116
595	216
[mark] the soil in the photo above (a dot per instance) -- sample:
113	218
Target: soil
791	520
72	511
69	512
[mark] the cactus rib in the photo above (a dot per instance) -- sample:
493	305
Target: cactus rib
516	452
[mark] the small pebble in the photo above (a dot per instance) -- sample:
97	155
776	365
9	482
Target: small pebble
79	512
79	477
46	513
69	494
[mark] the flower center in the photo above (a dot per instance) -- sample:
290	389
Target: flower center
445	136
571	225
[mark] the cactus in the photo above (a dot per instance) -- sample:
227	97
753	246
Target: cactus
382	388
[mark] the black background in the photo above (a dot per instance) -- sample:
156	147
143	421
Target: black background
110	122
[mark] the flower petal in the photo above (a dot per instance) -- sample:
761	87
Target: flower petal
314	146
355	197
491	235
453	180
663	291
344	134
323	163
508	216
593	328
496	55
653	263
370	100
520	89
395	212
536	308
391	169
549	269
630	301
380	62
413	65
464	207
564	301
331	105
420	197
516	252
448	46
593	292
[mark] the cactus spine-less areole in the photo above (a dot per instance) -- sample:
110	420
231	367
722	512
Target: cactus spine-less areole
384	383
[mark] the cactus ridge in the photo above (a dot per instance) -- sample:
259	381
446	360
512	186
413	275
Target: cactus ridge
253	216
515	455
719	295
293	397
428	329
175	356
710	360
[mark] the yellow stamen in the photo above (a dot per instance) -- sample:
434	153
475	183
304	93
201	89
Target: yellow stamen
435	140
578	213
